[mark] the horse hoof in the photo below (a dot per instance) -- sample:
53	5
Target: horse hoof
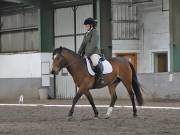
69	118
107	117
96	118
135	115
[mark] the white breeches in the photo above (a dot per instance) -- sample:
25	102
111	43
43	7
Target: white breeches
95	59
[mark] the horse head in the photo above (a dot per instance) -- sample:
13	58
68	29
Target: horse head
58	60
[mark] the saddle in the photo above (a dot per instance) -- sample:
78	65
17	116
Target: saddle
107	67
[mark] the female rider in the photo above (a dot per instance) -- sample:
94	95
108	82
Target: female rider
91	49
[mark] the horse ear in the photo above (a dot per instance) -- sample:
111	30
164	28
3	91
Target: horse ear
60	47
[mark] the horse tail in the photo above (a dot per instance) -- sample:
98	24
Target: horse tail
136	86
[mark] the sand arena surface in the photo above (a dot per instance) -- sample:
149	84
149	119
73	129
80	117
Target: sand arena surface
44	120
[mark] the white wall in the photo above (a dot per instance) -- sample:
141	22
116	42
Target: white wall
154	36
25	73
20	65
125	46
25	65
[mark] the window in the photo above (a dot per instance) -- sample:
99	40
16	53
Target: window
160	62
124	20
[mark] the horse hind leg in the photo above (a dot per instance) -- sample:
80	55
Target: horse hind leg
133	104
112	92
128	86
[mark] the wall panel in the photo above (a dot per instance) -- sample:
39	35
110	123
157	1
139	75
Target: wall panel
19	31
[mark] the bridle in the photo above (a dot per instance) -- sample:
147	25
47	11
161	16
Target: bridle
68	65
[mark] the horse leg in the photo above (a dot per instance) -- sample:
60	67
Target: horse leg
90	98
133	104
76	98
113	99
131	94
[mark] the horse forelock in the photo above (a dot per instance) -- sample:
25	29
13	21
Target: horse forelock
57	50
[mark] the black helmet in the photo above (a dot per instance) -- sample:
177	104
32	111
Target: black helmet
90	21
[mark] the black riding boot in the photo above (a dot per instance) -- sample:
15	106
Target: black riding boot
99	73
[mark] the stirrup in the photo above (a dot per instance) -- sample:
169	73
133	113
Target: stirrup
100	80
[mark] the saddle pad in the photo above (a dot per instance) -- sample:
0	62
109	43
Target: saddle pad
106	65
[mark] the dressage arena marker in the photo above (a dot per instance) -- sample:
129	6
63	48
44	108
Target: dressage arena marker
98	106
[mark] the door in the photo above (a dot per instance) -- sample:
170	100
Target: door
69	33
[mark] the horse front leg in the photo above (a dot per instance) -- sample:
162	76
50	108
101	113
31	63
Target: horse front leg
76	98
91	101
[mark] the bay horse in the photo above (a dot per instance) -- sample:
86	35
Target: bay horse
123	71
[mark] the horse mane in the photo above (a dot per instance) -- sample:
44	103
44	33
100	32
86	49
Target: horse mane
60	49
70	51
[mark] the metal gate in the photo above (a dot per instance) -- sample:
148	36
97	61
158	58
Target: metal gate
69	33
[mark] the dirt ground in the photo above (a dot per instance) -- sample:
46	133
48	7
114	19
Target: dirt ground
40	120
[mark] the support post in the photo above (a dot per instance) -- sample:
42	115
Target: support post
103	15
46	26
174	35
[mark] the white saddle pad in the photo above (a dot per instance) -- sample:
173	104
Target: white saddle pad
106	65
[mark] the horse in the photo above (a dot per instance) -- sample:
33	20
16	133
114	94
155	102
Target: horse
123	71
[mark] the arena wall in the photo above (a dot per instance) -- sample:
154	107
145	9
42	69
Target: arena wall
155	86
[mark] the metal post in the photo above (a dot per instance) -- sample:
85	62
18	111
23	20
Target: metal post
54	81
75	33
104	19
0	33
94	9
54	76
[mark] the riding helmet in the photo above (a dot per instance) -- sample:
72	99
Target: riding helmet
90	21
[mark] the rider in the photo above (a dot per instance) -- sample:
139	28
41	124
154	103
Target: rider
90	47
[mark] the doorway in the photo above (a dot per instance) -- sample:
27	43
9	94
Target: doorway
161	62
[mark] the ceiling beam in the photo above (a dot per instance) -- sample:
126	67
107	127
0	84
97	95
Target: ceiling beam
12	1
66	3
29	2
